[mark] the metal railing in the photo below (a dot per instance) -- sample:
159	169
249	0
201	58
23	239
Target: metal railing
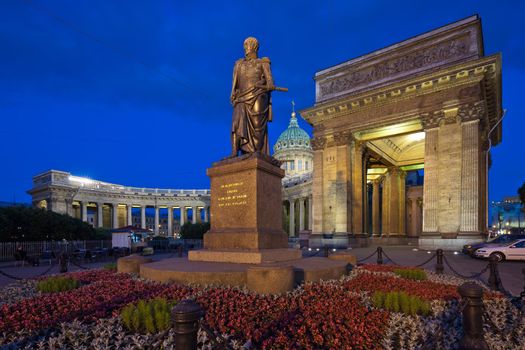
36	248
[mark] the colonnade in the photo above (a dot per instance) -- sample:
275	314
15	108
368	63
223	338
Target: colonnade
121	214
301	219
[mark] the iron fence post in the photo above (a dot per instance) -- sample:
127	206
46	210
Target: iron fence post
379	256
439	264
472	296
62	261
326	251
185	316
180	251
494	280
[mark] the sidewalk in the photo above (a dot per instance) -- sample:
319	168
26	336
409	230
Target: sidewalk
510	271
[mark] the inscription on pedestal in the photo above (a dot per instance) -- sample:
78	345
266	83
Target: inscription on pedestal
232	195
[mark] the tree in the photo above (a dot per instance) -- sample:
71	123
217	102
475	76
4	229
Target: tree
34	224
194	231
521	192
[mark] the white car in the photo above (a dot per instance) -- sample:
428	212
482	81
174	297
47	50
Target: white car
507	251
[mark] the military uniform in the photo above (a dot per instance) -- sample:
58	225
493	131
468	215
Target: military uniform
252	108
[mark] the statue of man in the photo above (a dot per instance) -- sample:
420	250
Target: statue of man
251	99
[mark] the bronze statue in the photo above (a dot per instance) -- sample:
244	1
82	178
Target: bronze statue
251	99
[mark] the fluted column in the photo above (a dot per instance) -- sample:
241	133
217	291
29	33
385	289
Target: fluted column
156	229
83	206
182	215
170	221
385	227
143	216
357	187
301	214
310	216
292	217
470	178
318	145
114	221
206	214
194	215
100	215
129	217
431	185
376	220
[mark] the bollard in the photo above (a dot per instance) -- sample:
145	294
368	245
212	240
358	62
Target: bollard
494	280
62	262
472	296
439	264
180	251
185	316
379	256
326	251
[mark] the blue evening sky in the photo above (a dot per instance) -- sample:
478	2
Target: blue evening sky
137	92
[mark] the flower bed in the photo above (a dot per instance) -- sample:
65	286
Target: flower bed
334	314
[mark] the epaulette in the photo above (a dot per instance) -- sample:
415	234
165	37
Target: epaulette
265	60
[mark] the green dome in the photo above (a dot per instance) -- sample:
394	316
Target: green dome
293	137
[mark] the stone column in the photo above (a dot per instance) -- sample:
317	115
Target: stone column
194	215
100	215
156	229
170	221
318	144
292	218
430	185
83	206
206	214
114	222
182	215
342	182
143	216
375	208
385	226
357	187
470	178
310	216
129	217
301	214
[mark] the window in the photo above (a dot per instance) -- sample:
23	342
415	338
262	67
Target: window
520	244
305	165
299	164
292	165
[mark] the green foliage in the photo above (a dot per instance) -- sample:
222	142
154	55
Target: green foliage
194	231
110	266
412	274
401	302
521	192
57	284
147	316
19	223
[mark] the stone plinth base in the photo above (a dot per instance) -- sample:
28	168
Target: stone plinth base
270	279
131	264
344	256
244	256
394	240
246	204
181	270
328	240
433	243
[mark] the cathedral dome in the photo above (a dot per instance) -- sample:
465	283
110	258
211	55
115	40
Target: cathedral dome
293	138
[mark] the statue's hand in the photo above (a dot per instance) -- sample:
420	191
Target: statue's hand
270	87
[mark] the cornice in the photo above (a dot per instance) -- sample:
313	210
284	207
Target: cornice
467	73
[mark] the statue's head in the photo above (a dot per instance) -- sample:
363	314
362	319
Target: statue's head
251	46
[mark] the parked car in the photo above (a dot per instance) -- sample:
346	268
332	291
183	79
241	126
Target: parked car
470	249
507	251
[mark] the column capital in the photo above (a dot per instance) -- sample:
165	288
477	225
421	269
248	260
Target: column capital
318	143
344	137
471	111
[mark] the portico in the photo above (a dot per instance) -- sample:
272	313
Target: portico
422	108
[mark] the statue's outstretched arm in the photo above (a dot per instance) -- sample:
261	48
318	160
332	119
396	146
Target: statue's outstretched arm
267	73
